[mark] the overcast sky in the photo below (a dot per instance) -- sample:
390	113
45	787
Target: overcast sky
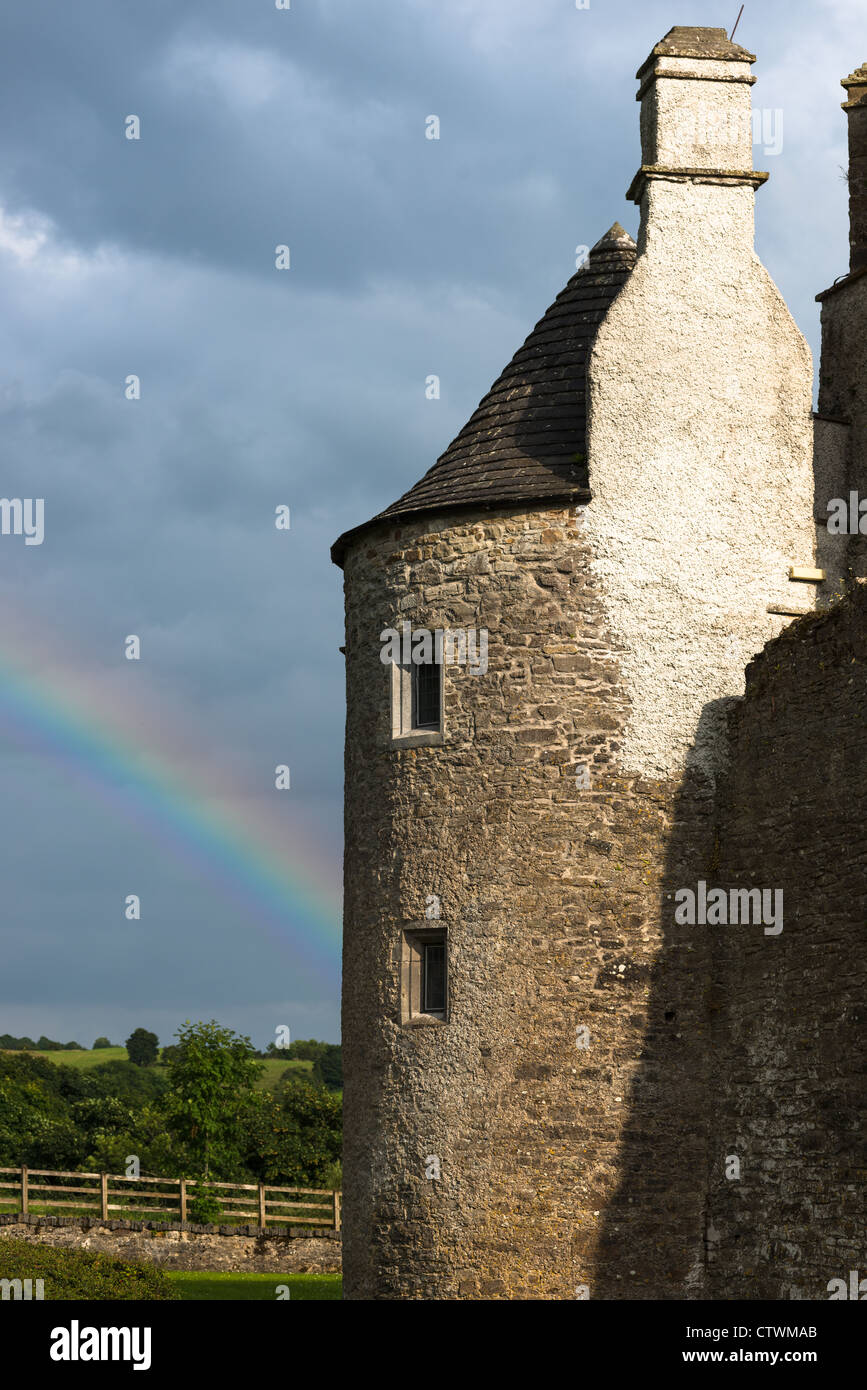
262	387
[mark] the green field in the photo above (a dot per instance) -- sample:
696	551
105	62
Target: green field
86	1058
196	1287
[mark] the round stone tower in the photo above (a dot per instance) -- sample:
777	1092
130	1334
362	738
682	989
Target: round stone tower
533	717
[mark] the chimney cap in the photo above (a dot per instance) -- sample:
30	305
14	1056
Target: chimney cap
856	79
684	41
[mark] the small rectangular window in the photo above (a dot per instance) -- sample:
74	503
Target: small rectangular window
417	703
424	976
434	978
426	695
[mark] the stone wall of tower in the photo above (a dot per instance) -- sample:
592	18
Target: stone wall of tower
788	1010
562	1166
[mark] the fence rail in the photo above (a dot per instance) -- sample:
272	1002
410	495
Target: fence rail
262	1208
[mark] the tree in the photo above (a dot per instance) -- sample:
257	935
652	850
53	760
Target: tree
101	1042
134	1085
141	1047
298	1135
36	1124
328	1069
147	1137
212	1101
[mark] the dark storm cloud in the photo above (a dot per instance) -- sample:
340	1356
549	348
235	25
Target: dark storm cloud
307	127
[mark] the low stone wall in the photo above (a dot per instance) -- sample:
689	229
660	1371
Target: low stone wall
182	1245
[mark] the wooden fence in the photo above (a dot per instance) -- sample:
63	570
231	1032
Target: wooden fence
137	1195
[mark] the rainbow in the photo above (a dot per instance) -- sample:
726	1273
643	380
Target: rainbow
147	761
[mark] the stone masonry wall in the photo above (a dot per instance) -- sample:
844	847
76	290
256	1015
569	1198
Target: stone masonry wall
843	395
562	1167
789	1037
263	1252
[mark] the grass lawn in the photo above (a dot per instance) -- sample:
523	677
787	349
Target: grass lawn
85	1058
196	1287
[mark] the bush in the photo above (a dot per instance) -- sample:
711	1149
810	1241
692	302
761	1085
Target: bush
129	1083
101	1042
36	1124
332	1175
296	1138
160	1155
82	1274
304	1049
203	1208
328	1068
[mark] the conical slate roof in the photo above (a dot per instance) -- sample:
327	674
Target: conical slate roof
526	439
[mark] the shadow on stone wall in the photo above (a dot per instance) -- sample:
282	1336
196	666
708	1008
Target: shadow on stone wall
754	1051
789	1041
652	1239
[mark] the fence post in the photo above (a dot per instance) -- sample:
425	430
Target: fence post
335	1198
183	1198
24	1193
103	1195
261	1206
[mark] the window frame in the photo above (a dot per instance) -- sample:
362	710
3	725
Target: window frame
415	676
405	733
416	940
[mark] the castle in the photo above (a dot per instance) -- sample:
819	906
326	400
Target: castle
605	898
